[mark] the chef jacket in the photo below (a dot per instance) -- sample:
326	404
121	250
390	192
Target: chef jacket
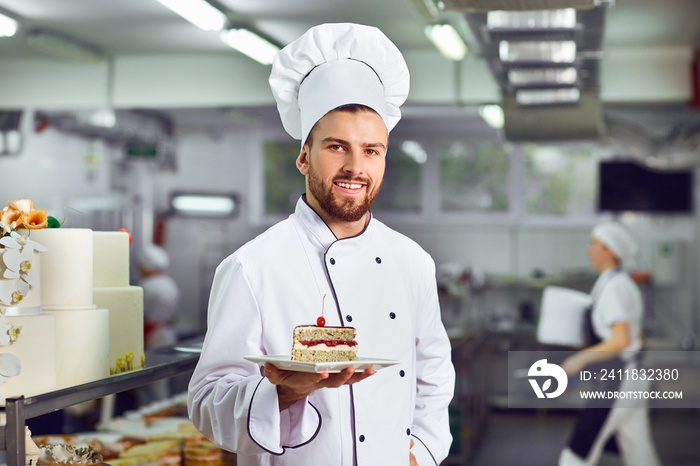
616	298
379	282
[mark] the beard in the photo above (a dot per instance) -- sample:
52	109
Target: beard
348	210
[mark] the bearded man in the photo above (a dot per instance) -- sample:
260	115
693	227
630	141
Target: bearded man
338	89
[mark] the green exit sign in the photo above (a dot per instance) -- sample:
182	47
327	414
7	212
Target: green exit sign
142	151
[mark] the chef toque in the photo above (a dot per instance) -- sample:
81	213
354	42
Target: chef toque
154	258
617	239
333	65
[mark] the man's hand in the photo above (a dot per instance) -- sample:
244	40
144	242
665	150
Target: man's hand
411	456
294	386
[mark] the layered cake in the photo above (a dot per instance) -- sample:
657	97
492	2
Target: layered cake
324	344
111	290
27	336
82	330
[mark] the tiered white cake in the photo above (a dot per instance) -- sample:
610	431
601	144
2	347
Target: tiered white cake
125	303
82	330
25	332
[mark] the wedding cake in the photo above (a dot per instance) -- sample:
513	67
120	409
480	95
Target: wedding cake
125	303
82	329
25	367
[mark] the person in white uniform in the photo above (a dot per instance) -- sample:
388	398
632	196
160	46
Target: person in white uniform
338	90
161	297
615	335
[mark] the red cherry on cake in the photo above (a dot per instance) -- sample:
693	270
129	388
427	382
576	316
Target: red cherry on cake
321	322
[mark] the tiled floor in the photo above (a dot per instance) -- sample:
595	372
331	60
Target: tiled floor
527	438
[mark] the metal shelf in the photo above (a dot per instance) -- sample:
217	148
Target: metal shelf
163	363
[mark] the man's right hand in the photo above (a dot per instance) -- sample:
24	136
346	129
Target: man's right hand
294	386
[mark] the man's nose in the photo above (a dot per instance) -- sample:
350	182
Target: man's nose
354	162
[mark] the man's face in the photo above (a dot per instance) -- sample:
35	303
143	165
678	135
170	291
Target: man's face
345	164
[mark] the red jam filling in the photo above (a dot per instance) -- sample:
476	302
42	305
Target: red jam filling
328	342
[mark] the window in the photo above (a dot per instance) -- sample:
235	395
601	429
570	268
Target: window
560	180
474	178
402	178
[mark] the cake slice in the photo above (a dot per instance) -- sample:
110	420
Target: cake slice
324	344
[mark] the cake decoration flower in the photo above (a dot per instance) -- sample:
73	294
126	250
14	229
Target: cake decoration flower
36	219
10	366
5	334
7	289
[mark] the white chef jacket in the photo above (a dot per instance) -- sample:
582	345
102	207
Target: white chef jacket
616	298
379	282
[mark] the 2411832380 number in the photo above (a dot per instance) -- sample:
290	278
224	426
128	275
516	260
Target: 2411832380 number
639	374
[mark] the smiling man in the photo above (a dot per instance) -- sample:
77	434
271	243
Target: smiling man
338	90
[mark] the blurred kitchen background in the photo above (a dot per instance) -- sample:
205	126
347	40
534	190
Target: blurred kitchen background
125	115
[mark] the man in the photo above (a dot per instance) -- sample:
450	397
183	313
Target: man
338	90
614	327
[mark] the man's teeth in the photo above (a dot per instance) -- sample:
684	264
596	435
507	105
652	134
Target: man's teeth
349	185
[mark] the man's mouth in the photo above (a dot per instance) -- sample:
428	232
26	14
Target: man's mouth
348	185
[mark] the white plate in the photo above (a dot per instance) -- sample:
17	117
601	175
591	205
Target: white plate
284	362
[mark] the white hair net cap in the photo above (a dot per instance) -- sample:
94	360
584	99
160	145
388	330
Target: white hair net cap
618	239
154	257
333	65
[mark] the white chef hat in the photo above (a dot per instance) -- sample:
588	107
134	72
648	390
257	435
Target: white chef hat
154	257
333	65
617	239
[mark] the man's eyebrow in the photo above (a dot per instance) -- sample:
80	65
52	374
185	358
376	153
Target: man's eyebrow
343	142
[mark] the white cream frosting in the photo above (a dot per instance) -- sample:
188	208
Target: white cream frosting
324	347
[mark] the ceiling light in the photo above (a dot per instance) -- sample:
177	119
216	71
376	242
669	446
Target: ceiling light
542	19
547	96
8	26
415	151
198	12
492	115
250	44
204	205
63	47
553	76
446	39
535	51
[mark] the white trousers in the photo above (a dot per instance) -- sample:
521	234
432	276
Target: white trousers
631	426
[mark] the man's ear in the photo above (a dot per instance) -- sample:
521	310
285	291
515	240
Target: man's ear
303	160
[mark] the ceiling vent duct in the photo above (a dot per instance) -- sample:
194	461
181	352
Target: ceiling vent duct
553	122
545	57
517	5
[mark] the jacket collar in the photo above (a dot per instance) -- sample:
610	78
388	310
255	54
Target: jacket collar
313	222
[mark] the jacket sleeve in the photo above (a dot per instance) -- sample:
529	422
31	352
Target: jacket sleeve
229	401
435	381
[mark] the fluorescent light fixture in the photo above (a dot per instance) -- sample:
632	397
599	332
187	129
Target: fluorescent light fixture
8	26
103	117
63	47
558	76
204	205
549	51
198	12
415	151
541	19
492	115
446	39
547	96
250	44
